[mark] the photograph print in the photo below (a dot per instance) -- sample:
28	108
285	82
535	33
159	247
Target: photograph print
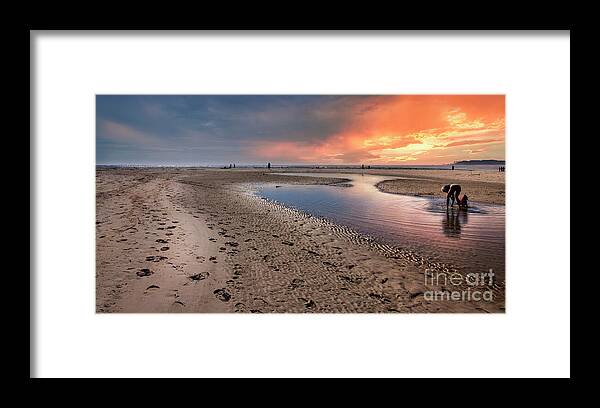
300	204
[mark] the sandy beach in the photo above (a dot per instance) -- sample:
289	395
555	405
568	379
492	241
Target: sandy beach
481	186
198	240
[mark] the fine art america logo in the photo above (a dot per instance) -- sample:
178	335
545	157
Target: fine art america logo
457	287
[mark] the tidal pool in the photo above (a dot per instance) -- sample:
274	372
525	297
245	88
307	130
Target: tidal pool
471	240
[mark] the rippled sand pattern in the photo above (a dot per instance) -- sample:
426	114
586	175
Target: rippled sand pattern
228	250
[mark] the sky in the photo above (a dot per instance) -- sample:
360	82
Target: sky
298	129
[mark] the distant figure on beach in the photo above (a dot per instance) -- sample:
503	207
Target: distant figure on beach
453	191
269	165
362	166
453	167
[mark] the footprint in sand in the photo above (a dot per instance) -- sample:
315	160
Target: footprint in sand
350	278
259	299
296	283
381	298
144	272
178	304
222	295
199	276
157	258
237	271
308	303
165	248
415	294
240	307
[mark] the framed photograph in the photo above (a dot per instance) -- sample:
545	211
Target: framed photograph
300	203
341	199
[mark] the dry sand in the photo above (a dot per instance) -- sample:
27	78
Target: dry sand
196	240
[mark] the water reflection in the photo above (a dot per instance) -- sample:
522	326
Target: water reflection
453	222
473	238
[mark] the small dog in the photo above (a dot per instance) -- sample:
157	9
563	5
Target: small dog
464	202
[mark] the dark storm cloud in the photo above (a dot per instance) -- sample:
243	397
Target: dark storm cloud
213	129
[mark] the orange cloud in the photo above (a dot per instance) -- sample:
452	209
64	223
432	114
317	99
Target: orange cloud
472	142
422	129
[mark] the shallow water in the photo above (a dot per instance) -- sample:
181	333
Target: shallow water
471	240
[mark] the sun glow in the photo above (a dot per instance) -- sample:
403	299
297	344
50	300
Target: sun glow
423	129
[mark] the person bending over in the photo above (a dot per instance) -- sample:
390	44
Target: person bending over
453	190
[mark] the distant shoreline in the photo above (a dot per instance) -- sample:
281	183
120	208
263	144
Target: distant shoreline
481	162
471	166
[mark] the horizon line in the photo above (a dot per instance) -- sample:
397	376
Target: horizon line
263	164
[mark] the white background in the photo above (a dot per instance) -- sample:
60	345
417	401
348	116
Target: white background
531	339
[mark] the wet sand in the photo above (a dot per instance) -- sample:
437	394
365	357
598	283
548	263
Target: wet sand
196	240
481	186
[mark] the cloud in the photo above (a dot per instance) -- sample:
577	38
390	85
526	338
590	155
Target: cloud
472	142
356	156
304	128
392	129
118	132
